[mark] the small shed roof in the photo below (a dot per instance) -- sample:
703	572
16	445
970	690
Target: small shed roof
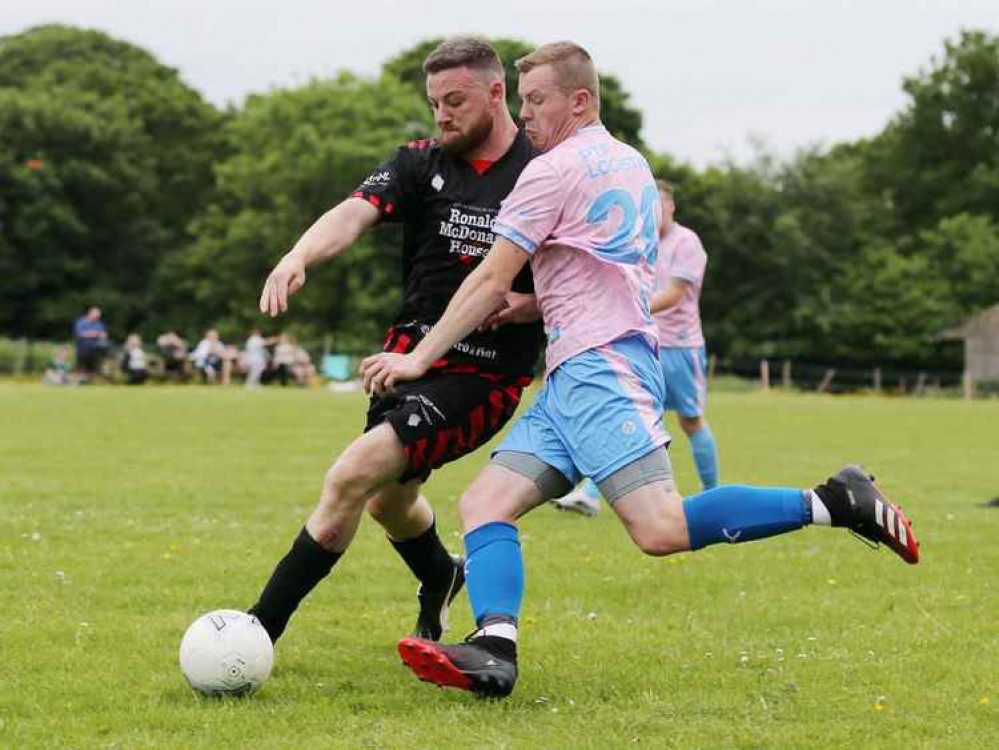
984	323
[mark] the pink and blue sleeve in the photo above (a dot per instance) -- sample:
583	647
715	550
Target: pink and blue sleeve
689	260
530	213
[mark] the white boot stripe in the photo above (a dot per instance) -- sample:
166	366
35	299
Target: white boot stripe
879	512
902	536
891	522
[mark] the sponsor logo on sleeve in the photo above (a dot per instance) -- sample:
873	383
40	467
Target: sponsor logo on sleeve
378	178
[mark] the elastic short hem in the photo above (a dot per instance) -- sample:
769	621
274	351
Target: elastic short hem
643	475
620	463
550	481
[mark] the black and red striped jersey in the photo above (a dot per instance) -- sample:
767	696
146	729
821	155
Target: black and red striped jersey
447	206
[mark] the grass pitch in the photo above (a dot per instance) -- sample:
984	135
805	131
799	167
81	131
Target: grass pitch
126	513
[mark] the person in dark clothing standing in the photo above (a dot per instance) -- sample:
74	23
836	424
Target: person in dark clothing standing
91	338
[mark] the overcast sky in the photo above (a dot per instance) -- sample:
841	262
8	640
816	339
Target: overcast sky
705	74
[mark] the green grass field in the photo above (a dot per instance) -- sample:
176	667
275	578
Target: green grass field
126	513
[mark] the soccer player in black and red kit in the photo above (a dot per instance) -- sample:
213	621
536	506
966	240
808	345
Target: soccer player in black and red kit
446	193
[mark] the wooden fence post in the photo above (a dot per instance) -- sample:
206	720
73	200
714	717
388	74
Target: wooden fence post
785	374
764	375
22	357
968	385
827	380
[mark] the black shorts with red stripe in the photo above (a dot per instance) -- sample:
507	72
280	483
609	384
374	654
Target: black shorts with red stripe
442	417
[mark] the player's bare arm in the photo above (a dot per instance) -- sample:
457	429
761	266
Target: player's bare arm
330	235
480	294
668	297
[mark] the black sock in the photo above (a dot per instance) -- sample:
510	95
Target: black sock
427	558
833	496
305	565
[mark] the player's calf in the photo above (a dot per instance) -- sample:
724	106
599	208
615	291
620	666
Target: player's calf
654	518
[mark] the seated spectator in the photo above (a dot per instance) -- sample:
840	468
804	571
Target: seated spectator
303	369
230	359
173	349
59	371
133	361
285	358
91	338
207	356
256	357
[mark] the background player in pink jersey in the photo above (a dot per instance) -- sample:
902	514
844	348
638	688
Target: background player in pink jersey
675	307
586	213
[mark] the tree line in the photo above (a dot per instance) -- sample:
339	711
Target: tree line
122	186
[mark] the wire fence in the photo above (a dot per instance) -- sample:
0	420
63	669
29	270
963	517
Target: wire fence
789	374
21	358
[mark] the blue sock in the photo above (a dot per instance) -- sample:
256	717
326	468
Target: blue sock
702	445
736	513
494	571
590	489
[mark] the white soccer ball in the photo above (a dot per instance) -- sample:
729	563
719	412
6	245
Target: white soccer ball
226	652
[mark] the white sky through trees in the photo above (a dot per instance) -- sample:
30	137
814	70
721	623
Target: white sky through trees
706	75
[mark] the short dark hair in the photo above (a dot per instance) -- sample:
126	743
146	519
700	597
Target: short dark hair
463	52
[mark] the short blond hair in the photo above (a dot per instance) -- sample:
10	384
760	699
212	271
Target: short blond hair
573	66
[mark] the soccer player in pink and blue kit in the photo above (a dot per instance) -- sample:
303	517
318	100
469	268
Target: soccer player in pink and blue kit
676	308
586	214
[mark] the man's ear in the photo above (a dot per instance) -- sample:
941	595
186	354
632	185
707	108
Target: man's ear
581	100
497	91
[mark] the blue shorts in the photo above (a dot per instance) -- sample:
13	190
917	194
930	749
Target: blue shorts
597	412
686	385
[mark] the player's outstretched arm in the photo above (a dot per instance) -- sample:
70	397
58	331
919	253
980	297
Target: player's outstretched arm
483	291
330	235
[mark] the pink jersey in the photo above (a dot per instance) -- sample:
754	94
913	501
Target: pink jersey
588	213
681	256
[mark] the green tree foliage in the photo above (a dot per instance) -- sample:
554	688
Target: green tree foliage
120	186
964	252
777	235
105	155
295	154
887	307
74	201
178	125
862	253
940	156
621	119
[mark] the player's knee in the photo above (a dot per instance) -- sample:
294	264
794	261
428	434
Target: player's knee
386	508
659	542
477	509
690	425
378	508
346	482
